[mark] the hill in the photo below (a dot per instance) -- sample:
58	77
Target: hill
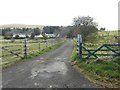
20	26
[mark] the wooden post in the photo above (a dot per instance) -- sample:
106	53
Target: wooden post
53	41
46	43
39	45
80	46
25	48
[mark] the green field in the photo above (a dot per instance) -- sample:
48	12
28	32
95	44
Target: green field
106	69
13	52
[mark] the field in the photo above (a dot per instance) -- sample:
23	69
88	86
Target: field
16	50
105	69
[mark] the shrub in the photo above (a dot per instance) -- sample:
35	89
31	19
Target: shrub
7	37
45	37
32	36
16	37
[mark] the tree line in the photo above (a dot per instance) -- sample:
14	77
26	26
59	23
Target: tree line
84	25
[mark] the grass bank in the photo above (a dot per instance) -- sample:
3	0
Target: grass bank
104	71
34	55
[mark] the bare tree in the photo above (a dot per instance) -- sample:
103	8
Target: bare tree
85	26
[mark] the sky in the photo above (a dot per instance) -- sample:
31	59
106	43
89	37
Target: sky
59	12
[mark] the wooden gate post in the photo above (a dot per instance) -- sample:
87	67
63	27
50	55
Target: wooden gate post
79	46
25	48
46	43
39	45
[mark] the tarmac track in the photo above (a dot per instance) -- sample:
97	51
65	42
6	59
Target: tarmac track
51	70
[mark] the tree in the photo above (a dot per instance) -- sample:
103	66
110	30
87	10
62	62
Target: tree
16	37
6	32
45	37
51	29
8	35
37	31
84	21
85	26
102	29
64	31
32	35
3	32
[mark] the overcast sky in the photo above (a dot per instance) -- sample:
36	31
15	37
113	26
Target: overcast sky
58	12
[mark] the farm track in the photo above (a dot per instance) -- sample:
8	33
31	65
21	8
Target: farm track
51	70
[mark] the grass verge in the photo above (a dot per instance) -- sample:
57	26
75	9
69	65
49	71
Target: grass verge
102	71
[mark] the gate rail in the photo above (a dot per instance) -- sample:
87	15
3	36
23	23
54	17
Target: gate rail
92	52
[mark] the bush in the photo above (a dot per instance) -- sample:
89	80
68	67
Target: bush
32	36
44	37
27	36
7	37
16	37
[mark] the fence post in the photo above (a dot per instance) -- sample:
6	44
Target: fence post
46	43
39	45
53	42
25	48
79	46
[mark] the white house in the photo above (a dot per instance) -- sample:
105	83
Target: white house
50	35
21	35
38	36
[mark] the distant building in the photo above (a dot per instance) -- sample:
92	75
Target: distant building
50	35
21	35
39	36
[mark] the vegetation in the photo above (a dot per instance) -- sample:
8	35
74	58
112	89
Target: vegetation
32	35
7	37
104	70
10	31
34	48
26	31
85	26
51	29
103	29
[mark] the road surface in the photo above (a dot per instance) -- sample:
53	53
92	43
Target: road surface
51	70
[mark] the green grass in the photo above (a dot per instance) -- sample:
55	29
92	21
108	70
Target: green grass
33	46
34	55
106	71
32	52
